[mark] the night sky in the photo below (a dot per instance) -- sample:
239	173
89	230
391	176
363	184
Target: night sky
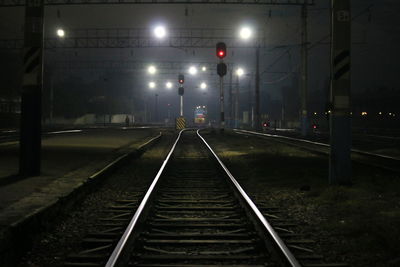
375	54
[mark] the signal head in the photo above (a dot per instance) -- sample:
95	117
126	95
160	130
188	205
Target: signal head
181	78
221	50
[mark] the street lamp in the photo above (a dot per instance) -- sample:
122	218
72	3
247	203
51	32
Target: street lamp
192	70
239	72
160	32
245	33
168	85
203	85
152	70
152	85
60	33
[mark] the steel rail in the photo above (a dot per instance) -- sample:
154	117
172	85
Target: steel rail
278	241
281	137
17	3
113	259
356	151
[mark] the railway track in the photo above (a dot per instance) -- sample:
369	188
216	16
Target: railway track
364	157
194	213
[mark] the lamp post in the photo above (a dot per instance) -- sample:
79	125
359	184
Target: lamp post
246	33
156	107
239	73
152	85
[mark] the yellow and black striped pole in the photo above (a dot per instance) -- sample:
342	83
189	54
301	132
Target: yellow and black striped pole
31	93
180	123
340	121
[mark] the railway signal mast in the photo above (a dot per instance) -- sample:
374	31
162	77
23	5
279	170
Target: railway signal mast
180	121
221	70
181	80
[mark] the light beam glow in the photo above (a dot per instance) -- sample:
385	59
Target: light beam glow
160	32
152	85
245	33
193	70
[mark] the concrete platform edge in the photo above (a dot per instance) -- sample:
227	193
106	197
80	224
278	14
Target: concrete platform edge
17	238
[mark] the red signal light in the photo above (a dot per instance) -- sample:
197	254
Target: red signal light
221	50
314	126
181	78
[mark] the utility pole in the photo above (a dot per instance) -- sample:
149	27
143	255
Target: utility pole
104	103
340	121
304	73
51	99
156	108
221	71
145	111
169	114
132	108
180	122
237	102
250	103
231	114
257	119
221	104
31	97
181	108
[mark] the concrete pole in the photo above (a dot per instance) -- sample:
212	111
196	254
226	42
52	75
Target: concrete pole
231	114
257	117
221	103
250	106
169	114
51	99
340	121
283	111
304	73
145	111
132	106
31	96
237	103
156	108
181	112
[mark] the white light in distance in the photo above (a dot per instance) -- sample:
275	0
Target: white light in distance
168	85
245	33
60	33
192	70
152	70
160	32
239	72
204	68
152	85
203	85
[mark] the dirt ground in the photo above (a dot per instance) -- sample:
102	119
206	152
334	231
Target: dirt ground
357	224
64	235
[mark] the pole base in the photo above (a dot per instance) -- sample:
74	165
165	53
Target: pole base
180	123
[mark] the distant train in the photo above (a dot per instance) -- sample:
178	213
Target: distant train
200	115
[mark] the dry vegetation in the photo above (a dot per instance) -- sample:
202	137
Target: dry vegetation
358	224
